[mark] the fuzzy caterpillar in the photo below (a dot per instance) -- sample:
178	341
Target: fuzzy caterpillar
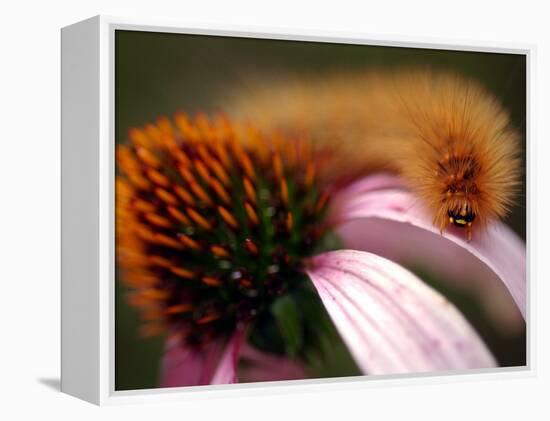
447	136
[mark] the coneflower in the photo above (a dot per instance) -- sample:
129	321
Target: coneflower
212	229
215	221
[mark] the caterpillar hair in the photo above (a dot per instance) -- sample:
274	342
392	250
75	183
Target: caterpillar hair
447	136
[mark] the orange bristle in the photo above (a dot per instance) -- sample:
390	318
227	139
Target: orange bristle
249	189
219	251
189	242
228	217
211	281
199	219
252	215
158	178
182	272
184	195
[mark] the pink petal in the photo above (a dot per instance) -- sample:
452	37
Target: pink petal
258	366
444	260
391	212
227	368
390	320
379	181
183	366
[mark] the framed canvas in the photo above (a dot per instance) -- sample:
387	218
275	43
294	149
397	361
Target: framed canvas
248	211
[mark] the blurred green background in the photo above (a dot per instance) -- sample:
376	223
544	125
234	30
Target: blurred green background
157	74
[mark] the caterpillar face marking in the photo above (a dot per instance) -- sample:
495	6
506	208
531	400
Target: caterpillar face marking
460	191
462	219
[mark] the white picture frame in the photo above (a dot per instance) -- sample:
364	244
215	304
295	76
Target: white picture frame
88	173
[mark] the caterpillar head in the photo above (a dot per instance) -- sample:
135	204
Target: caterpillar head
460	195
473	187
463	218
457	149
